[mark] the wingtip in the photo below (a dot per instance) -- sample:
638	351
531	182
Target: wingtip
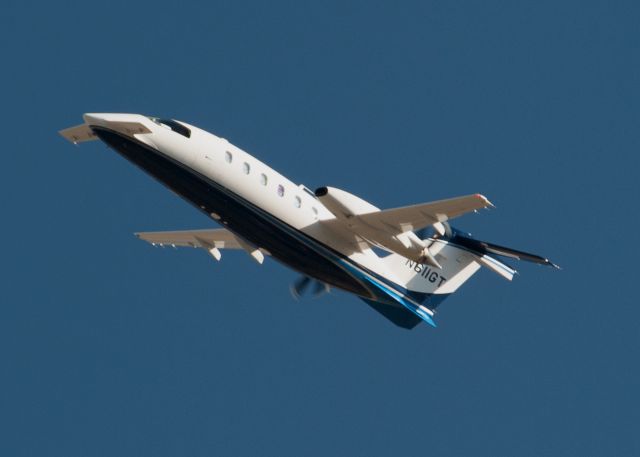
485	200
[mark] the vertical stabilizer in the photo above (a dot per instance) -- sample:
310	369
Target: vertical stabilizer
458	265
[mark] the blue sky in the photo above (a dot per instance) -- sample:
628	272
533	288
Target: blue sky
110	347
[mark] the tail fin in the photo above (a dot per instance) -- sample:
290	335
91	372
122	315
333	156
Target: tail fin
396	314
425	286
460	256
458	265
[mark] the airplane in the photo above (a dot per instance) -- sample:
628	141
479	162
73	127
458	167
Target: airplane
402	262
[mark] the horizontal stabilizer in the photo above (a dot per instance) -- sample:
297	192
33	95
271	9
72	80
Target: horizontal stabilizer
484	247
496	266
520	255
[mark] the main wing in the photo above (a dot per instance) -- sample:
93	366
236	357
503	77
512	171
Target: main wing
219	238
415	217
211	240
393	229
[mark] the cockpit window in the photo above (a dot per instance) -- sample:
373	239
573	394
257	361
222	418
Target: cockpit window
173	125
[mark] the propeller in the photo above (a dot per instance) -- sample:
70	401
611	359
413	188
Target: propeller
301	285
439	229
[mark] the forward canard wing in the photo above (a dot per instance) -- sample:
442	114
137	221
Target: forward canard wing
210	240
79	134
84	132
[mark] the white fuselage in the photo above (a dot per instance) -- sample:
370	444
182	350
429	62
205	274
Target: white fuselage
271	213
251	179
326	235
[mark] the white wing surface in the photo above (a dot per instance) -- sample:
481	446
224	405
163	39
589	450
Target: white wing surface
79	134
394	229
415	217
211	240
219	238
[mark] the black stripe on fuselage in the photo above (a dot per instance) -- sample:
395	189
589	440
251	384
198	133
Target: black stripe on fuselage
239	216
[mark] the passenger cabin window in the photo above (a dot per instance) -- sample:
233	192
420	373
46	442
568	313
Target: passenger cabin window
263	179
280	190
246	168
228	156
173	125
297	202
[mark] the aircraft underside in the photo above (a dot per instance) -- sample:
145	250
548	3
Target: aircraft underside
406	285
239	216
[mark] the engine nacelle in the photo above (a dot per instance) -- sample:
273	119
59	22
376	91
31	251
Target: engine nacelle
343	204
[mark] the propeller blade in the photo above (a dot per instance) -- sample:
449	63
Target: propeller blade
439	229
319	288
299	286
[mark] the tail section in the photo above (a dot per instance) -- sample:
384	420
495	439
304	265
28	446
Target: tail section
426	286
399	315
484	248
460	256
458	266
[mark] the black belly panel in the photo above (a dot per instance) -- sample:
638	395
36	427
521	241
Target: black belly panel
240	216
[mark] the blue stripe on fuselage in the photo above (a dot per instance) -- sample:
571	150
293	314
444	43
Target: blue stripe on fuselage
188	184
